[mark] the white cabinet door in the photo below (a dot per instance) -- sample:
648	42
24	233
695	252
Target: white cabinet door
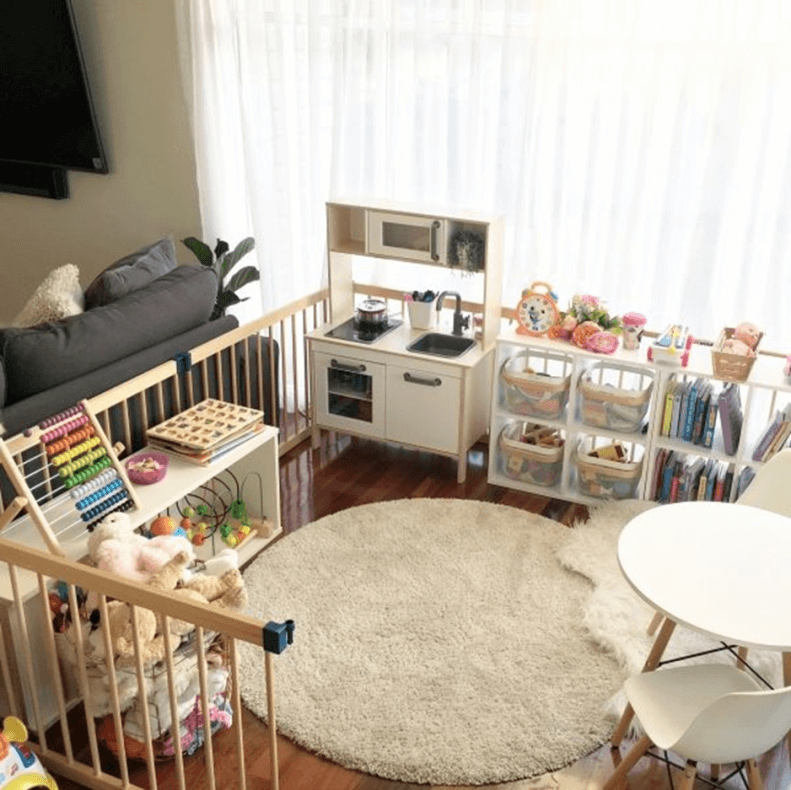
408	237
423	408
350	394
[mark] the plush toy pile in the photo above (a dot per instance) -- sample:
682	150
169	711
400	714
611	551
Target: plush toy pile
161	563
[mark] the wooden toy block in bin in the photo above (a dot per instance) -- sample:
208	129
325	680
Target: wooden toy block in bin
600	475
731	367
531	453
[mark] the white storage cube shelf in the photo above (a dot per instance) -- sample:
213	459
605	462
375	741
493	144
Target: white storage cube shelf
594	400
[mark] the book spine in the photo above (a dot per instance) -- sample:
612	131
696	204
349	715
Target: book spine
711	422
668	414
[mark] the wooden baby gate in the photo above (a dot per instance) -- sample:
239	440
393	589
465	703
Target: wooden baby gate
70	746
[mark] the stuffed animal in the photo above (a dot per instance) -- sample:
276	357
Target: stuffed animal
114	546
748	333
227	591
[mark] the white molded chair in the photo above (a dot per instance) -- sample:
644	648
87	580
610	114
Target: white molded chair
708	713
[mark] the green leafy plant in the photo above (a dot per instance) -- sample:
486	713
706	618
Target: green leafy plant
222	259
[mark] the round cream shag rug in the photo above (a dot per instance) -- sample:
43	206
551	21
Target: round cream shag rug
437	641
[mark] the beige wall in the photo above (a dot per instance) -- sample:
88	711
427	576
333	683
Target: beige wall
131	53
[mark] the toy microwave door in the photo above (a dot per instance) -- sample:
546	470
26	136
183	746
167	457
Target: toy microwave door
20	769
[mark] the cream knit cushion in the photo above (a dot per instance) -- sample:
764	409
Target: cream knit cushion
58	297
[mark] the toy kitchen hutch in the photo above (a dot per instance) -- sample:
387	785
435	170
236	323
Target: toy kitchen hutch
367	378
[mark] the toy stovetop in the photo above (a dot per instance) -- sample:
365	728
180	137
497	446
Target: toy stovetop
206	425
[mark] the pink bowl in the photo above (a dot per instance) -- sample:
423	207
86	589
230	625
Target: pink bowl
142	475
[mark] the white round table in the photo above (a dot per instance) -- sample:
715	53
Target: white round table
720	568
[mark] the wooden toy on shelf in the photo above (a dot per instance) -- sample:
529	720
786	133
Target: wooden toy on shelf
672	346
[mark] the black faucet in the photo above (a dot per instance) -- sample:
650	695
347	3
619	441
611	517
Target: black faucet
460	322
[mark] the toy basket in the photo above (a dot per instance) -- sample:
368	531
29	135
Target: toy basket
541	394
615	398
731	367
531	453
142	474
604	478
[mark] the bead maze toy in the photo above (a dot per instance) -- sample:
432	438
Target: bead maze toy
68	459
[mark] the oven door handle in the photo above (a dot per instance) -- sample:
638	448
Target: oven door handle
435	382
351	368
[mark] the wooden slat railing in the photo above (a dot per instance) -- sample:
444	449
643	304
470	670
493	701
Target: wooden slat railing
62	749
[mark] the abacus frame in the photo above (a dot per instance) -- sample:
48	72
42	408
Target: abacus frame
44	488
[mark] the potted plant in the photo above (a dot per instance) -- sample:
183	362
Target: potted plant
222	259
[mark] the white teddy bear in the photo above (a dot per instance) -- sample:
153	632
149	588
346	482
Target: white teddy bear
114	546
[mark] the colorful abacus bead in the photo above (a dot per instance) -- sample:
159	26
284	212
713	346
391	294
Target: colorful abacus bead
91	514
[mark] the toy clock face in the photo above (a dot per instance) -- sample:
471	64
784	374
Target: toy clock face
536	312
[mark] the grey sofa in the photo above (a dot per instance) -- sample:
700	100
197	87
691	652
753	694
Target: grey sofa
48	368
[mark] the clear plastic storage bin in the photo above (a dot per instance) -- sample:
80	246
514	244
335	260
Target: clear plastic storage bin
605	478
616	398
531	453
536	385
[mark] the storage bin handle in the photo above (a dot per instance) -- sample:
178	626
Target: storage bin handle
435	382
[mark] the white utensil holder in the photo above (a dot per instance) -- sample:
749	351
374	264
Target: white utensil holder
422	314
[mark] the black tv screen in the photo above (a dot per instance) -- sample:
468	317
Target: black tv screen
48	115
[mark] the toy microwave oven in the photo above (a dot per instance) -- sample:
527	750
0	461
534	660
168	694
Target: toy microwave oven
672	346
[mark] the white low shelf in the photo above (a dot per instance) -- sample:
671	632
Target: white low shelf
766	390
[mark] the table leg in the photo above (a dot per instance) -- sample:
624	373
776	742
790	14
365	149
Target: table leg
654	657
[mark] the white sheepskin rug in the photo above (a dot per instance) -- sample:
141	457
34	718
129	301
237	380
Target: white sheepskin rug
616	617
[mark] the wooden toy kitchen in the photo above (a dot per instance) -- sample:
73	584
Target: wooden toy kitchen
373	372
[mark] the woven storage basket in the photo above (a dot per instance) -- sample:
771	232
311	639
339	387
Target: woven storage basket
530	463
533	394
731	367
605	479
617	408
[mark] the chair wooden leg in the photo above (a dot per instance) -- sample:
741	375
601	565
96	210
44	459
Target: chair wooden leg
754	776
654	624
629	761
688	777
741	658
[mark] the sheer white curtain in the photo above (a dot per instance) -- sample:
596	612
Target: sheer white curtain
639	151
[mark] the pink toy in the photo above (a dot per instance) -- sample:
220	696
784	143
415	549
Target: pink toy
748	333
602	342
114	546
735	346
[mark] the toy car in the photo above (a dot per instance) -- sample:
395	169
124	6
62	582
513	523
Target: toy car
20	769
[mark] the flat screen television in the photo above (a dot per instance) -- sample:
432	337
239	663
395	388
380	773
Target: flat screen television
48	115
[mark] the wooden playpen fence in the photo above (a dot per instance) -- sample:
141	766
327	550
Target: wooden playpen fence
71	747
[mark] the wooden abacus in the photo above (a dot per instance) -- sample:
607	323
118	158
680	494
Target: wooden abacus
76	462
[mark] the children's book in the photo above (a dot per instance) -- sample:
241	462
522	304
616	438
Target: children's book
726	494
730	406
675	480
678	397
692	474
667	476
667	415
711	480
719	485
745	478
768	435
700	412
779	440
659	466
712	411
689	412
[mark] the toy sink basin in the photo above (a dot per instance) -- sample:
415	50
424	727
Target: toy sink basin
441	345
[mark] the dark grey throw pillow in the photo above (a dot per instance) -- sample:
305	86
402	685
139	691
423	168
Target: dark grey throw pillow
131	273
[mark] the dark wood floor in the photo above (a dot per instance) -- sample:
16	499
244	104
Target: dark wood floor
343	473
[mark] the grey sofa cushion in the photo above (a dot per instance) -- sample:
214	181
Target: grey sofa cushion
131	272
23	414
39	358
